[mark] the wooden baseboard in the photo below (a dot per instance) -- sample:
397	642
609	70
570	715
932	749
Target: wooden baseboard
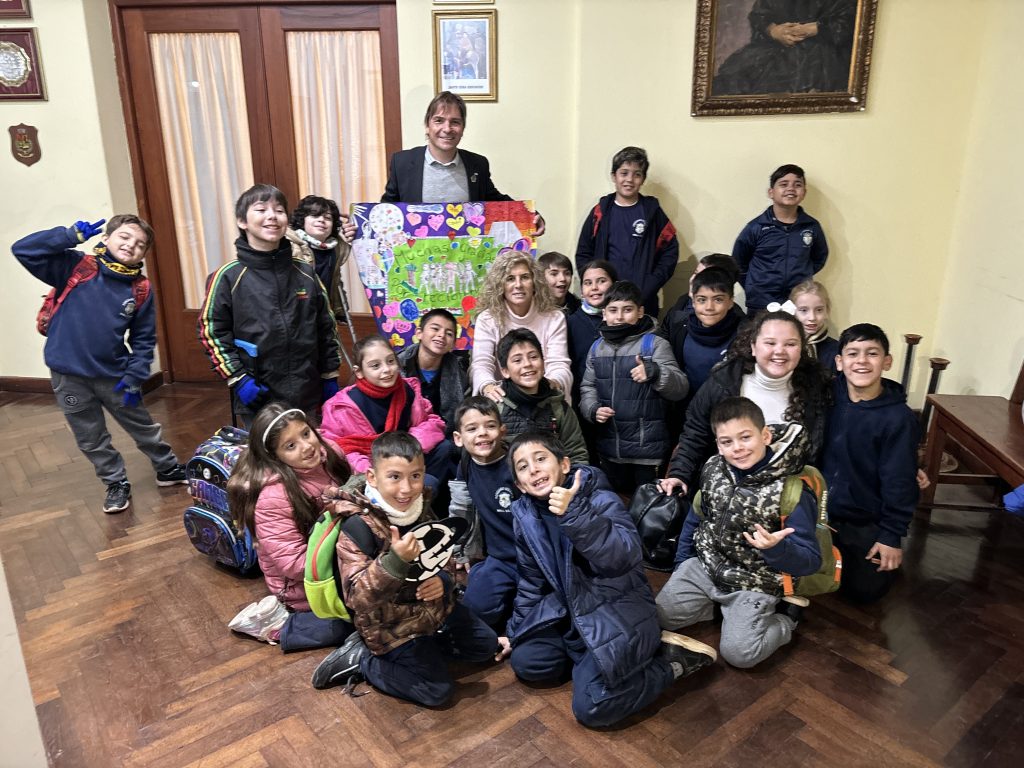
40	386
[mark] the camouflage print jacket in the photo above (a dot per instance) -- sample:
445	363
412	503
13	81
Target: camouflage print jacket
383	604
731	504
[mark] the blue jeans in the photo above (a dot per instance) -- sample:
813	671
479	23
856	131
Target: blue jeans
491	591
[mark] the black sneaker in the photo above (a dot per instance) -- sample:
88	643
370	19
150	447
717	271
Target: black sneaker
119	496
175	476
792	607
341	667
685	654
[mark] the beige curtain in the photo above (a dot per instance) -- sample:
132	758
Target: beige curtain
338	113
201	96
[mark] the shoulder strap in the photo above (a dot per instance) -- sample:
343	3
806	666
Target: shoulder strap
593	349
793	488
140	290
696	505
85	270
647	345
357	530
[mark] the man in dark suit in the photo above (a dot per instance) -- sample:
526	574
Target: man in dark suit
440	172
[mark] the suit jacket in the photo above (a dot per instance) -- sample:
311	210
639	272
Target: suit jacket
405	177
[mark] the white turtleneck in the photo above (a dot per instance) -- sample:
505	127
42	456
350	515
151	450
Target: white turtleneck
771	395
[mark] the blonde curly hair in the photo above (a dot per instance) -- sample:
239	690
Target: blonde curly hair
492	295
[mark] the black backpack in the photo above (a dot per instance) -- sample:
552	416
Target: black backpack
659	520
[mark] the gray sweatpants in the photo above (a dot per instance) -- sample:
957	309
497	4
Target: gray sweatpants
83	401
751	630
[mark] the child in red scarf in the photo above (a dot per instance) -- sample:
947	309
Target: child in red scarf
382	401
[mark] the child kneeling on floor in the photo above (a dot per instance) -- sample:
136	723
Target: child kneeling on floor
275	492
410	629
731	550
583	605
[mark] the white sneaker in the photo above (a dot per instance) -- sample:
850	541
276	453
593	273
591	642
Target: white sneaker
260	619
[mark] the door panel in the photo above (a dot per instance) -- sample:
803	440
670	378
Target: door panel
211	109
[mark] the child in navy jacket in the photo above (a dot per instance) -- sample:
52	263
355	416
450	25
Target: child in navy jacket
583	604
870	464
731	550
91	366
783	246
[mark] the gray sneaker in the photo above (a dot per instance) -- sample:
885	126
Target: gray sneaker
119	497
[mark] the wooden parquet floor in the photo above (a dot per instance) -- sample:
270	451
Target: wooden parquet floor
123	628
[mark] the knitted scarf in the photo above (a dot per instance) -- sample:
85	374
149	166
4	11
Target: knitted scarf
396	518
312	242
812	341
616	334
114	265
397	391
717	334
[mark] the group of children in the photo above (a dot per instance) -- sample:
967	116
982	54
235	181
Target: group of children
555	575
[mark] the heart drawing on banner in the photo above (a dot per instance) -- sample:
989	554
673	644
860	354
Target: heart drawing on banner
435	221
413	218
420	232
475	214
453	209
473	231
455	223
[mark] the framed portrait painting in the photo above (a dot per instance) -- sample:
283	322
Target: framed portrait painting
21	76
768	57
15	9
466	54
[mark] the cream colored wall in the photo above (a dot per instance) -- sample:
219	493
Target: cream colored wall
84	171
981	325
579	79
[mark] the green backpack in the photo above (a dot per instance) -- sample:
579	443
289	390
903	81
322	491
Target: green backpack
826	578
323	587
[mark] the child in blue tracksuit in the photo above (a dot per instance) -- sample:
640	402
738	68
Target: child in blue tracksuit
482	493
783	246
732	551
870	464
583	606
91	365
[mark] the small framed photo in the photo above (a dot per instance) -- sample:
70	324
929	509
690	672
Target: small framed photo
466	54
771	57
21	75
15	9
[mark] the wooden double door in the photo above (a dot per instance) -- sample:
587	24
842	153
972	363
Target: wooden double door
301	96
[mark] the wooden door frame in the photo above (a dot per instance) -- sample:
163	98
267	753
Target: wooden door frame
150	165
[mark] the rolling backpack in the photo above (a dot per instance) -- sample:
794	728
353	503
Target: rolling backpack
208	522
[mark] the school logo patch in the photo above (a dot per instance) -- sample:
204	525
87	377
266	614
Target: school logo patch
128	307
807	236
638	228
71	400
504	498
301	294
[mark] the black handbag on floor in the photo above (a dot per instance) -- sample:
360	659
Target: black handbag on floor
659	519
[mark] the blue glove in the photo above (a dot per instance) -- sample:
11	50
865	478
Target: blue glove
250	391
132	394
87	231
330	389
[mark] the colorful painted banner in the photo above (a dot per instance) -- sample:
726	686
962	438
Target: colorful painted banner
414	257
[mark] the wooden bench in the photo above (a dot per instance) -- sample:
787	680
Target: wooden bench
988	427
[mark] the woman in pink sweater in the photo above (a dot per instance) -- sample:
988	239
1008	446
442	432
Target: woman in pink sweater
516	295
275	491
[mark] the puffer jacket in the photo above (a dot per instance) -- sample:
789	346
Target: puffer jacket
342	417
384	606
551	414
639	429
281	546
603	590
732	504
